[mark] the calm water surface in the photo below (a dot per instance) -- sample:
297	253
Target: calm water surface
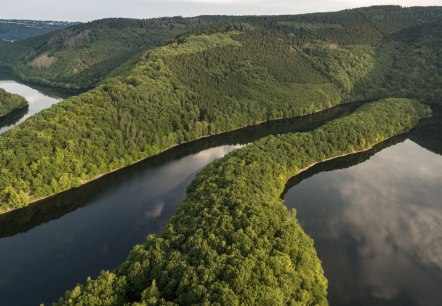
37	102
376	219
48	248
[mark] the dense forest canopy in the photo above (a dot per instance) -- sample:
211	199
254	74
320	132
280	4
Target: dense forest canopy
81	55
232	240
228	74
168	96
84	54
165	81
10	102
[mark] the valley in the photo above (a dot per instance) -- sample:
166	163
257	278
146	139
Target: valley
192	130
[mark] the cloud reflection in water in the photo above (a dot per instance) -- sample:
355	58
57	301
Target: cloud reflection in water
379	229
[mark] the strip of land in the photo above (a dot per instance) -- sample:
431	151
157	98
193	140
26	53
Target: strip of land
10	102
232	240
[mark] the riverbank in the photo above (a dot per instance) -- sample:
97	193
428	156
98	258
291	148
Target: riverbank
353	104
233	225
4	116
10	102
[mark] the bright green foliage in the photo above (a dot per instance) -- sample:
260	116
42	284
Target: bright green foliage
232	240
10	102
344	65
205	85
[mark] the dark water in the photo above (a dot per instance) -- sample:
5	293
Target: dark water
376	219
48	248
36	98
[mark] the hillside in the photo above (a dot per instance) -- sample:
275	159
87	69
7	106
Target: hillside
10	102
232	241
222	77
81	55
12	30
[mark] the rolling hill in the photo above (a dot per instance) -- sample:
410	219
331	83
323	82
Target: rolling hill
81	55
221	77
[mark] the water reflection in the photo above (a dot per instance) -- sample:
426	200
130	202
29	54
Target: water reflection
58	254
376	224
37	102
429	133
25	219
13	117
49	247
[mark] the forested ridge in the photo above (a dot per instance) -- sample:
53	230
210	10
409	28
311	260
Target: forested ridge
228	74
81	55
232	240
10	102
166	81
168	96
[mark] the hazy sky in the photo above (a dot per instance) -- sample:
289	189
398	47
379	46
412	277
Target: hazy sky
84	10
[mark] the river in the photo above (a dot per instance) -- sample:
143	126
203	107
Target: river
375	216
50	246
376	220
37	99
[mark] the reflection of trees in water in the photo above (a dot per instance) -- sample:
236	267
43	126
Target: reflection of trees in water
429	133
13	117
380	241
49	91
342	162
24	219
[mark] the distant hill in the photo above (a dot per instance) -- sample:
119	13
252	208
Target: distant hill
81	55
12	30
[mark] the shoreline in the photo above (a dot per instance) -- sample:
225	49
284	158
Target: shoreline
14	110
38	200
34	202
355	152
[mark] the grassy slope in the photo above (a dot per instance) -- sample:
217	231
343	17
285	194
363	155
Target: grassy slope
232	240
10	102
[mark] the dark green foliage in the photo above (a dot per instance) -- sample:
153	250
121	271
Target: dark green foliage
81	55
208	83
232	240
10	102
408	64
168	96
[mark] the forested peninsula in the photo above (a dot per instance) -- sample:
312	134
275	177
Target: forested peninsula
232	240
10	102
